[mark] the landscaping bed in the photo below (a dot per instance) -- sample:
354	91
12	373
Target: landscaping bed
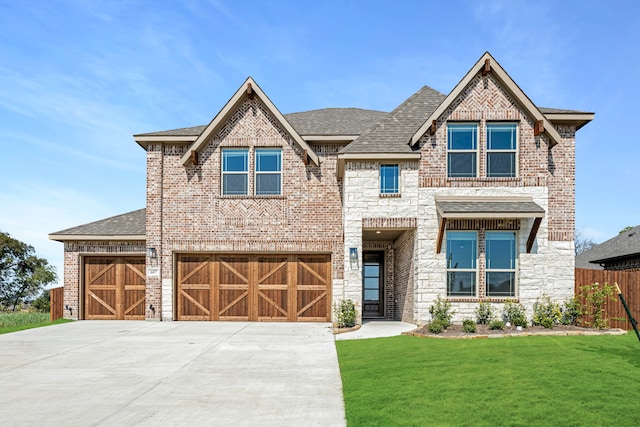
483	331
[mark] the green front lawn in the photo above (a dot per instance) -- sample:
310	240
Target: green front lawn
18	321
524	381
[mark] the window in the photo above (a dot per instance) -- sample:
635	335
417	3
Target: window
389	179
501	149
462	147
268	172
235	171
501	263
461	263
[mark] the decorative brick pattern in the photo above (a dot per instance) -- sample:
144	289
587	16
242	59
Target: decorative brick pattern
383	223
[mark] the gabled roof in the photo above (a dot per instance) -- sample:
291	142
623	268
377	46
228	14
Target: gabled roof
624	245
392	134
507	83
248	89
127	226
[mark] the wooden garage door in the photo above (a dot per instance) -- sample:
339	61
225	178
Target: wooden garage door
254	287
114	288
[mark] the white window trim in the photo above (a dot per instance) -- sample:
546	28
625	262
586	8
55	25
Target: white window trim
223	173
256	173
464	270
476	151
516	151
491	270
399	182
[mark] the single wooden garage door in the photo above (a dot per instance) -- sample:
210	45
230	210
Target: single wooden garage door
254	287
114	288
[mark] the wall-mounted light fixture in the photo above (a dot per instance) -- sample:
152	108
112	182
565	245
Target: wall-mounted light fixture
151	253
152	308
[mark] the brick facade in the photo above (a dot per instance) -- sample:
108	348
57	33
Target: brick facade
332	210
73	253
196	217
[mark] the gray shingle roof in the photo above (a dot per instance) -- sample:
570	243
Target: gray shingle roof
127	224
623	245
327	121
546	110
487	207
335	121
392	135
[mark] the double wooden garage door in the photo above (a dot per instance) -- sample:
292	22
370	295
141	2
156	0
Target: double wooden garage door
114	288
254	287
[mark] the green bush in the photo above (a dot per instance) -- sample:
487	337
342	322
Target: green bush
346	314
437	326
514	313
469	326
484	312
546	313
595	297
43	302
496	325
441	311
571	312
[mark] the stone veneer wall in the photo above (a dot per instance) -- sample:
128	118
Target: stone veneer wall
187	213
364	206
73	253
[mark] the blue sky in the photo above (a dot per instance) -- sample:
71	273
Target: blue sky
79	78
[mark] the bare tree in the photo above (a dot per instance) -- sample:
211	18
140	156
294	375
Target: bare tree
582	242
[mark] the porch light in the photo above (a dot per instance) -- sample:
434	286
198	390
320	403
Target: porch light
378	231
151	253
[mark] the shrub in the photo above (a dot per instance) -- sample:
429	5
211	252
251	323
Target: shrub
514	313
346	314
437	326
484	312
496	325
469	326
546	312
441	310
595	297
571	312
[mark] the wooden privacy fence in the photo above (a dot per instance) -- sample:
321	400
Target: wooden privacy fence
56	302
629	282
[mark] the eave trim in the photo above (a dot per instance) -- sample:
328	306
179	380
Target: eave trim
96	237
507	82
240	95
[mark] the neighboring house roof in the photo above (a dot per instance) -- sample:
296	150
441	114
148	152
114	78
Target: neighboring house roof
507	83
248	89
624	245
393	133
128	226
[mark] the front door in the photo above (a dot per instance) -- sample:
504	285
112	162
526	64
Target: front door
373	285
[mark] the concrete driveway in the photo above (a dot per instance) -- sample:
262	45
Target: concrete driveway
171	373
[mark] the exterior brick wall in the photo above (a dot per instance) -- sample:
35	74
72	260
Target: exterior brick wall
73	253
307	217
403	278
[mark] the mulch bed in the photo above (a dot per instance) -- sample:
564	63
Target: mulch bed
482	331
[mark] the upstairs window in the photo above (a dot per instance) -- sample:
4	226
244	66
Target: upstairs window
462	150
389	179
501	263
235	171
501	149
462	247
268	172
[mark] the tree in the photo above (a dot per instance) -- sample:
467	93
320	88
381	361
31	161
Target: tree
627	228
22	274
582	242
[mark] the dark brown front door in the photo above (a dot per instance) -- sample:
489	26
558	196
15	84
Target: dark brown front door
373	284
